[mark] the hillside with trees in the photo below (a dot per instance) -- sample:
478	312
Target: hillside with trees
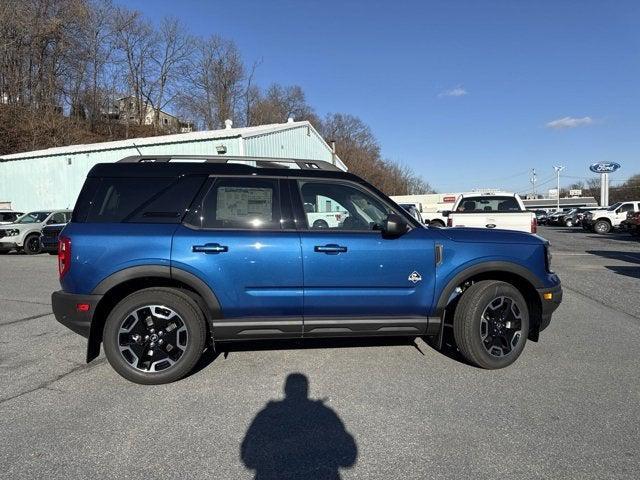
67	65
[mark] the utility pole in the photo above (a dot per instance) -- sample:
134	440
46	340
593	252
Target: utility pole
534	179
558	169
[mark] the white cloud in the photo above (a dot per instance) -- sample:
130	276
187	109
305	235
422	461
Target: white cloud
454	92
569	122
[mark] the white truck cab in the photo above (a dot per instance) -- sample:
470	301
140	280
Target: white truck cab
503	210
603	221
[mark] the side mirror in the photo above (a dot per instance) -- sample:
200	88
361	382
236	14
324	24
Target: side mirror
427	222
394	226
445	213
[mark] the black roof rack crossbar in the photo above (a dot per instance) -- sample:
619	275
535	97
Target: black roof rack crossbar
260	162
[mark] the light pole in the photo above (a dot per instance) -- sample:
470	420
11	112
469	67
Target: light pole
558	169
534	179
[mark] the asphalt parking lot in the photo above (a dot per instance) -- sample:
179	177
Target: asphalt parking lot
568	408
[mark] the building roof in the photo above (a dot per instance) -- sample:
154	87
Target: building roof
243	132
564	202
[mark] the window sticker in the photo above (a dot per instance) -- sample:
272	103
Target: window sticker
237	202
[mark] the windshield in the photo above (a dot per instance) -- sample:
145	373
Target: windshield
614	206
33	217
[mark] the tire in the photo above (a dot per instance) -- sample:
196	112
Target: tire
4	252
436	224
31	244
132	313
602	227
320	224
470	322
568	222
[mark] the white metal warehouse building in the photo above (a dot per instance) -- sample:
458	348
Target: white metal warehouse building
52	178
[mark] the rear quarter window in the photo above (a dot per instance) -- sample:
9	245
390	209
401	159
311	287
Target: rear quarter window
136	200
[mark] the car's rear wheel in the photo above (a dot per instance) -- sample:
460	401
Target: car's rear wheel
155	336
32	245
491	324
320	224
602	227
568	222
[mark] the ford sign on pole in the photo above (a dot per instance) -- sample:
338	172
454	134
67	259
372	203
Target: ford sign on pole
604	169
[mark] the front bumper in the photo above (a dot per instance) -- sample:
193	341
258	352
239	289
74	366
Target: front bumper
550	299
8	245
65	309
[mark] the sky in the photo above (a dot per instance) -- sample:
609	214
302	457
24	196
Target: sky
470	94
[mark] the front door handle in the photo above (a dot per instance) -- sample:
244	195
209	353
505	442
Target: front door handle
331	249
210	248
490	225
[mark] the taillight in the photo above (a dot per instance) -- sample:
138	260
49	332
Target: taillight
534	225
449	222
64	255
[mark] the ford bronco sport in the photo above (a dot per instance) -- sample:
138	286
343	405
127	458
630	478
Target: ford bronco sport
166	255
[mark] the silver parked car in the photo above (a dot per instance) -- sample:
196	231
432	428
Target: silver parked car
24	233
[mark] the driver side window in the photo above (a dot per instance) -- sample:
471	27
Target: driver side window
337	206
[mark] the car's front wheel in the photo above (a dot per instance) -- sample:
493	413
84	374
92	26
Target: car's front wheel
155	336
491	324
602	227
32	245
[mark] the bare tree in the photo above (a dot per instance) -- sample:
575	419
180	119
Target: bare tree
214	82
169	58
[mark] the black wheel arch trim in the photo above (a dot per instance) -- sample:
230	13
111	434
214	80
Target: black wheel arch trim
206	298
143	271
473	270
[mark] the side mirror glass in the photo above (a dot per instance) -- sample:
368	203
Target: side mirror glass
394	225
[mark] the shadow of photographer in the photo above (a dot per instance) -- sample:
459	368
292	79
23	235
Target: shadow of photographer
297	437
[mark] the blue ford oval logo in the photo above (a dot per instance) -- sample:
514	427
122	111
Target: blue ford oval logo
604	167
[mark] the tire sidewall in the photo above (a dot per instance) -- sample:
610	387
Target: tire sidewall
179	303
475	308
28	239
604	230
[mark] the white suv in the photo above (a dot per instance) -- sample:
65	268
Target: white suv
603	221
24	233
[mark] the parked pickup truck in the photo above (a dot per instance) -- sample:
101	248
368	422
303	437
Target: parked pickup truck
603	221
492	210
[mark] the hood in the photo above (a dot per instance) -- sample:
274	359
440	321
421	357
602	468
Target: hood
485	235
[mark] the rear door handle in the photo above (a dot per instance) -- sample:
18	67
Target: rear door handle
210	248
331	249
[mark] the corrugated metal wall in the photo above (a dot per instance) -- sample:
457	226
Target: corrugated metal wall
297	142
55	181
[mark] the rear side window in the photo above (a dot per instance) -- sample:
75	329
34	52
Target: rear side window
243	203
136	200
488	204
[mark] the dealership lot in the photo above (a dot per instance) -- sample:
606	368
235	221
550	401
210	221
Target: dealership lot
566	409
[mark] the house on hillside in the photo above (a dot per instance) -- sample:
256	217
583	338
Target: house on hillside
128	110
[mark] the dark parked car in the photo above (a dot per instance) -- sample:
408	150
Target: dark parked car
51	231
163	258
541	217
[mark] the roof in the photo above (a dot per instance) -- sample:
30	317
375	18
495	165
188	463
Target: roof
176	169
244	132
564	202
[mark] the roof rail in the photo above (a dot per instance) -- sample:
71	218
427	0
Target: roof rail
257	162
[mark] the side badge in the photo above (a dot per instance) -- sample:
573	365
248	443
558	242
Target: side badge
415	277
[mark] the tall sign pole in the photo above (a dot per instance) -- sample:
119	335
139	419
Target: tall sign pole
558	169
534	179
604	169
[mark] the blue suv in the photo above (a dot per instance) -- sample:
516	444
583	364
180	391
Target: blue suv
166	255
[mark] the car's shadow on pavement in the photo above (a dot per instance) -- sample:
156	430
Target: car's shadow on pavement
629	257
223	349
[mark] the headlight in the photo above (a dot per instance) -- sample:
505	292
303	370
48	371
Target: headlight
549	256
12	232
